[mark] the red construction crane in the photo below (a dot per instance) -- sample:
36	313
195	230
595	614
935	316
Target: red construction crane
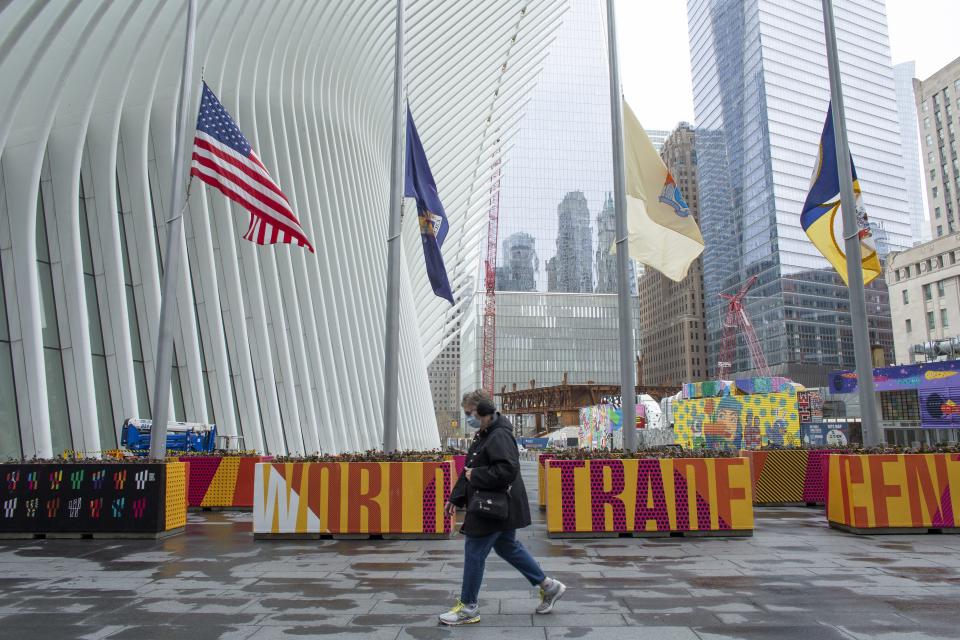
737	318
490	265
490	280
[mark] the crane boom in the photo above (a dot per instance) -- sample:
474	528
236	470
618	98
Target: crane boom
737	318
490	282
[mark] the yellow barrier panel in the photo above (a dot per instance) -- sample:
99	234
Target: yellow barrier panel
649	496
894	491
330	498
541	478
175	496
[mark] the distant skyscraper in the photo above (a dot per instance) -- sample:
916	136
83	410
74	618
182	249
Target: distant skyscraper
657	137
672	327
760	106
606	259
520	263
572	266
563	142
907	110
443	374
938	100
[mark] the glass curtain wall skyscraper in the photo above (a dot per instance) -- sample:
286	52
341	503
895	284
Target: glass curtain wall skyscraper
558	172
760	104
556	225
907	110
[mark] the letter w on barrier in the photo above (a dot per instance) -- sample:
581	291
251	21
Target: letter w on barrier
277	502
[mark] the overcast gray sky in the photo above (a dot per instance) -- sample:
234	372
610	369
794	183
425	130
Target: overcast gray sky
655	56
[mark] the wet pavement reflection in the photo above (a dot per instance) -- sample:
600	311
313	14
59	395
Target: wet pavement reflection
794	579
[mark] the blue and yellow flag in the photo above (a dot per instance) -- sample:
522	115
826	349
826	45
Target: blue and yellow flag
822	219
421	186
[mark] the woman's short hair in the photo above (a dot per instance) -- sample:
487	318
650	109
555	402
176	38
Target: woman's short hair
473	398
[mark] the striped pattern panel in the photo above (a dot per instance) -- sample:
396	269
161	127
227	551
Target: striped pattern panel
221	481
779	476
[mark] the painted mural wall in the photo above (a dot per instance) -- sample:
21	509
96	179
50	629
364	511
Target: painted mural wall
738	422
600	426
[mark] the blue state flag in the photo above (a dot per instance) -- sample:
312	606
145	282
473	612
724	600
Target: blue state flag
421	186
822	219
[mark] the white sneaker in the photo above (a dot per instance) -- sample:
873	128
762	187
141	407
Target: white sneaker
550	594
461	614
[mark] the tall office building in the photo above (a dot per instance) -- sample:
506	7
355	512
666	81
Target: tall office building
672	328
760	106
903	74
520	263
542	336
563	143
571	269
938	107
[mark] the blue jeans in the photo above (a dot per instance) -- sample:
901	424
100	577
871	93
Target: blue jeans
505	543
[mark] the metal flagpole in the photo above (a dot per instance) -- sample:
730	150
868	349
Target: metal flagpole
872	434
627	388
391	381
161	389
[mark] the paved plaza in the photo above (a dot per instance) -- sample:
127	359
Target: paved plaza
794	579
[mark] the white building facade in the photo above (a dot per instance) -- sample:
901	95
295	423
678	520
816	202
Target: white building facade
279	346
925	300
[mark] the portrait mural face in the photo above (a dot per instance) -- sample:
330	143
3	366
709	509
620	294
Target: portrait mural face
738	422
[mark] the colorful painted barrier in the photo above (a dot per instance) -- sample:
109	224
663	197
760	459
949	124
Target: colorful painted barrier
313	499
705	389
763	384
894	493
732	423
89	499
221	481
649	497
789	476
459	461
541	478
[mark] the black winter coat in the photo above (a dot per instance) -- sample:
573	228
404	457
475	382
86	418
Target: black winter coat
495	462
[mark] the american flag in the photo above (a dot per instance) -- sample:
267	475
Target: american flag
223	158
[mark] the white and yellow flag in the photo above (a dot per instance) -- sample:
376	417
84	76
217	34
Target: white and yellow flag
662	233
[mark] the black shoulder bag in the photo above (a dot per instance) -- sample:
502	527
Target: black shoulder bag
494	505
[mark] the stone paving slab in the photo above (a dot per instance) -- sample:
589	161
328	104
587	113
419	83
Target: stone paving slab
795	578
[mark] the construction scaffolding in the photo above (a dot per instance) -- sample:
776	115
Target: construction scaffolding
559	406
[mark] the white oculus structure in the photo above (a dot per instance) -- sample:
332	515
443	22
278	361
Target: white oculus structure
279	346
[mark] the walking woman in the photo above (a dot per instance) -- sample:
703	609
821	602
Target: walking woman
491	489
